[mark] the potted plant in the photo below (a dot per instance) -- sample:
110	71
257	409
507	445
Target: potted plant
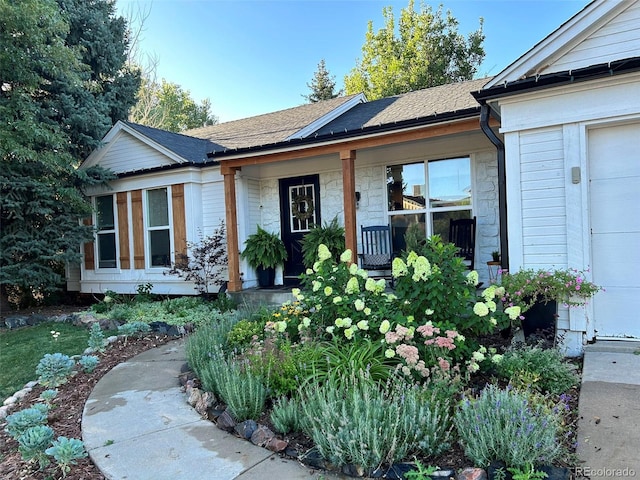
264	251
495	256
330	234
538	292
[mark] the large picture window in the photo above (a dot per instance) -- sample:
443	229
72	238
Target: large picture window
106	231
428	194
158	229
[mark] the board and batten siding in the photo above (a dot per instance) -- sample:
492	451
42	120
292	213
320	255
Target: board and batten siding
616	40
542	187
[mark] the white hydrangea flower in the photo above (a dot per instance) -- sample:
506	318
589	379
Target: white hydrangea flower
362	325
384	326
513	312
472	278
352	286
323	253
359	304
480	309
346	256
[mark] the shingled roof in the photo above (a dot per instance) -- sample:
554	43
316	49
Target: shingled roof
268	128
190	148
428	102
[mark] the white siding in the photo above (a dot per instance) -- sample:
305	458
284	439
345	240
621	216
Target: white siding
544	239
618	39
128	154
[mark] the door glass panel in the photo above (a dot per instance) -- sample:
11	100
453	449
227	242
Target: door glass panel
449	182
158	207
303	209
406	187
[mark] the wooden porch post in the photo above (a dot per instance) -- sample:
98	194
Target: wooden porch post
233	254
349	199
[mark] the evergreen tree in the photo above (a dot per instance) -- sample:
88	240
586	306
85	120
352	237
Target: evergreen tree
426	51
44	127
322	85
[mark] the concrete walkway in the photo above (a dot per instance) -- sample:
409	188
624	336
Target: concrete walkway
609	424
137	425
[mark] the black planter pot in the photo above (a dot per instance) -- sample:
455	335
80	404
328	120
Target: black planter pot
540	318
266	277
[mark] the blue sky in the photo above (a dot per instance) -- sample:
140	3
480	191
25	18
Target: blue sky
256	56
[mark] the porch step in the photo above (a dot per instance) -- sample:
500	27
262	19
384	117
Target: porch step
613	346
256	297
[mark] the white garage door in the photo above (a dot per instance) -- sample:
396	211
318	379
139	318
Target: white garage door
614	189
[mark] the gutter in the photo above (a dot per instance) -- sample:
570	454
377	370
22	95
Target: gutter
549	80
485	114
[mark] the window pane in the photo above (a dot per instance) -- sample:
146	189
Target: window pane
107	250
400	224
158	207
104	214
441	221
160	248
405	187
450	182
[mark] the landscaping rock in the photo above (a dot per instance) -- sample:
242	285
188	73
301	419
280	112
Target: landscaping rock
397	471
472	474
85	319
16	322
226	421
194	395
164	328
353	470
556	473
246	429
4	411
112	339
277	445
30	384
291	452
20	394
261	436
10	401
313	459
206	401
36	319
444	473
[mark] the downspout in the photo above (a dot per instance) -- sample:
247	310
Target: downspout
485	113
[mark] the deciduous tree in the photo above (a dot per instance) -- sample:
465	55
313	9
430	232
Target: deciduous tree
424	50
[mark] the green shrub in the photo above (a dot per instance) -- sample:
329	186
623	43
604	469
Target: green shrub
66	451
279	364
20	422
88	363
133	328
243	331
359	423
33	443
53	369
505	425
96	338
330	234
286	415
542	369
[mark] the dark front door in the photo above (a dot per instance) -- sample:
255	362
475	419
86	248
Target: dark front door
299	211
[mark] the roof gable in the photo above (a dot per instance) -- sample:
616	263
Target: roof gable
273	127
602	32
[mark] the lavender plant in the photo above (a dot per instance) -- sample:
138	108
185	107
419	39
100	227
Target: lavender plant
505	425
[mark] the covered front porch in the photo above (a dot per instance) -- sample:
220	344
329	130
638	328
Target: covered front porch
422	174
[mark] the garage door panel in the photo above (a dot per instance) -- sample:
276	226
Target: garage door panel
612	205
614	216
621	304
615	151
616	266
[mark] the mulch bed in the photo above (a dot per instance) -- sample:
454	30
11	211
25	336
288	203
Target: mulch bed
65	419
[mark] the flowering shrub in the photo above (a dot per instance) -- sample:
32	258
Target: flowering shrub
526	287
342	302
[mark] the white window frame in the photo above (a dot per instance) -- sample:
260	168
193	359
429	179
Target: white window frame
148	229
99	233
428	211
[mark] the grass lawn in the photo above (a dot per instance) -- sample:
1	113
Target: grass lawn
22	349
